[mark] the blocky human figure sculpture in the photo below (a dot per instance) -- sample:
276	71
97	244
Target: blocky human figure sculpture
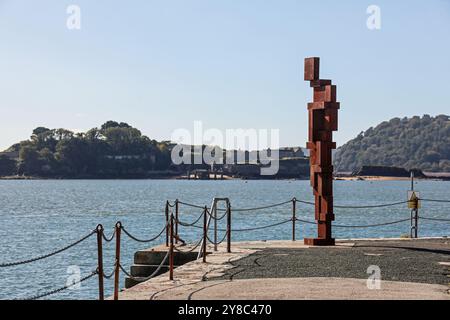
323	120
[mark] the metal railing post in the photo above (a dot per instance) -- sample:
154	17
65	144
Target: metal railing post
215	226
294	202
411	224
414	211
167	223
205	231
101	294
412	227
416	219
176	221
229	228
171	257
414	223
117	267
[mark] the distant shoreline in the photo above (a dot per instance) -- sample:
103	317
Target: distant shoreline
174	177
352	178
437	177
380	178
86	178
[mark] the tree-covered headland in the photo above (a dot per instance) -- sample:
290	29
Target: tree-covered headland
411	143
113	150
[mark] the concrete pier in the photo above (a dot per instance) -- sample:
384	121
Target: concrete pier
409	269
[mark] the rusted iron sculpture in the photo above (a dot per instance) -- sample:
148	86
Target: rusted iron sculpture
323	120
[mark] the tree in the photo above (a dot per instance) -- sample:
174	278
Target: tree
48	161
115	150
114	124
124	141
63	134
39	130
43	138
73	156
29	160
8	167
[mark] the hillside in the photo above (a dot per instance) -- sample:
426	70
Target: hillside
411	143
113	150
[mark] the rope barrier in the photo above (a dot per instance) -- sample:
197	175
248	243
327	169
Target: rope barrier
10	264
357	207
259	228
190	250
360	226
217	219
435	219
141	240
217	243
125	271
237	209
242	230
43	295
312	222
372	225
435	200
305	221
263	207
111	238
189	225
383	205
110	275
372	206
191	205
305	202
185	224
171	205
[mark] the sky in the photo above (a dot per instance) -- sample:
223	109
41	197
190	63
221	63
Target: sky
161	65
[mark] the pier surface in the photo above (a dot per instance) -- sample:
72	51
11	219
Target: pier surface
410	269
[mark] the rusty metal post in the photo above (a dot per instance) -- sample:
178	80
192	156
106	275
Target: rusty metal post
229	228
205	231
176	221
167	223
323	120
412	220
416	220
117	266
101	291
411	223
214	215
414	210
171	252
294	218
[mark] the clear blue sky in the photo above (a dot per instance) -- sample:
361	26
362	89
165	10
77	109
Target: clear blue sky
160	65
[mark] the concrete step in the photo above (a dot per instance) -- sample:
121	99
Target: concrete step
147	261
131	282
140	273
144	270
152	257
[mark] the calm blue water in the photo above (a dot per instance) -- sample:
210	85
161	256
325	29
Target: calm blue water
39	216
